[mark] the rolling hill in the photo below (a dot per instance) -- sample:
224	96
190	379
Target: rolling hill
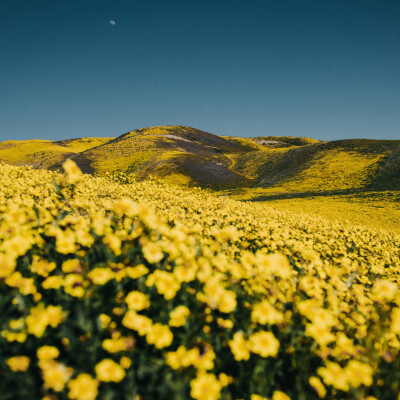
44	153
181	154
268	166
336	166
353	180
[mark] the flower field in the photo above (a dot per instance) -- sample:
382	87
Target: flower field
115	289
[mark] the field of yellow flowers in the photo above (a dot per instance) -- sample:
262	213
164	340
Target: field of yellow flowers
114	289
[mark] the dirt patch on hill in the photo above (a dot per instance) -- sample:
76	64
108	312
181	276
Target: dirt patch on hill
201	171
175	137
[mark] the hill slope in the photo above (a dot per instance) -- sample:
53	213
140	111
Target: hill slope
267	166
44	153
181	154
324	167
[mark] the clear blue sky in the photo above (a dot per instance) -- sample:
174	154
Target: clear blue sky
327	69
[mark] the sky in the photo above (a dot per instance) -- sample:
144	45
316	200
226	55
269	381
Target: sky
327	69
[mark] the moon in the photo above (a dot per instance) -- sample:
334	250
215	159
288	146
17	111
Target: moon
112	22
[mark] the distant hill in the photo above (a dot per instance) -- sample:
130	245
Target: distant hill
341	165
44	153
268	165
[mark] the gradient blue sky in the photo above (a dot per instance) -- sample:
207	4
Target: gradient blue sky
317	68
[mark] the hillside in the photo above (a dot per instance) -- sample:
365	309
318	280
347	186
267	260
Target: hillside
336	166
44	153
177	153
147	290
267	167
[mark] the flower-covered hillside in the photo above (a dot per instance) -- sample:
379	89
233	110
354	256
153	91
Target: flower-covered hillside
114	289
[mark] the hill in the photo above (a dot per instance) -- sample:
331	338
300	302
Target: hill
268	165
176	153
335	166
44	153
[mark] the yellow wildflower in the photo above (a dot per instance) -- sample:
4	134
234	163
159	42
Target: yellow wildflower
224	379
239	347
159	335
182	357
100	276
276	264
127	207
42	267
264	343
278	395
257	397
359	373
7	265
137	301
55	315
152	252
166	284
73	285
105	320
18	363
334	375
185	273
52	282
47	353
265	313
225	323
55	375
320	333
205	360
118	344
136	272
109	371
83	387
227	301
113	242
37	320
178	316
125	362
384	290
205	387
65	242
137	322
71	266
317	385
395	325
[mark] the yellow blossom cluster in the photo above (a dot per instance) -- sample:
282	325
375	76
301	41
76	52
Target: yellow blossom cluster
144	290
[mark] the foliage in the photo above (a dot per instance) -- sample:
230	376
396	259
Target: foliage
115	291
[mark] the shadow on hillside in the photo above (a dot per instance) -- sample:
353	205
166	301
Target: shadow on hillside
281	196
